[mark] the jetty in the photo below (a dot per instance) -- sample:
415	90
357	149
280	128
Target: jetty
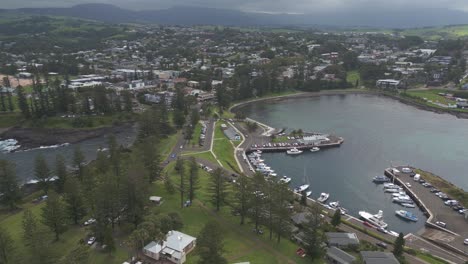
450	236
306	142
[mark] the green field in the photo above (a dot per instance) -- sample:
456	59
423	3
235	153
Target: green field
240	243
428	33
204	155
196	135
431	95
352	77
223	149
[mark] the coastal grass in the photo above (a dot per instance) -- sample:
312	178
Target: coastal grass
10	120
445	186
430	258
352	77
206	155
223	149
167	144
431	95
240	243
68	240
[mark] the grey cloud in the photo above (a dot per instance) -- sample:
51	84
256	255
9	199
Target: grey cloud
287	6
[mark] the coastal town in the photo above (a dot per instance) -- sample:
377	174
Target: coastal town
140	143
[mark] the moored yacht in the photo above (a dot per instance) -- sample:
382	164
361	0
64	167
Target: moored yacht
308	193
406	215
285	179
302	188
376	219
314	149
380	179
293	151
334	205
323	197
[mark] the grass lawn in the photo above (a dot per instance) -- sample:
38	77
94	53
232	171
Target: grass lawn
9	119
240	243
430	259
167	144
352	77
223	149
204	155
432	96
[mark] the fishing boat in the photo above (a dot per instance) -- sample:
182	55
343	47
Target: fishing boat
302	188
376	220
380	179
314	149
406	215
293	151
285	179
323	197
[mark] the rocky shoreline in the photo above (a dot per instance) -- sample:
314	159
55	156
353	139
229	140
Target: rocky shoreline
30	138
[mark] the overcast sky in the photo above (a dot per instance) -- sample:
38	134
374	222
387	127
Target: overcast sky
284	6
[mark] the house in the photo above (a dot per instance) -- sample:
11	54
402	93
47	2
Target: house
341	240
337	256
378	257
174	248
388	84
157	200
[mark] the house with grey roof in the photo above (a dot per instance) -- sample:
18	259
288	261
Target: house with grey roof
174	248
337	256
341	240
378	257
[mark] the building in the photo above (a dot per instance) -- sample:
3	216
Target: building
388	84
174	249
341	240
378	257
337	256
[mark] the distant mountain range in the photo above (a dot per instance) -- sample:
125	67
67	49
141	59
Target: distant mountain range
183	15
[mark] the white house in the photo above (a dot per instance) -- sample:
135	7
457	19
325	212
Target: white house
175	248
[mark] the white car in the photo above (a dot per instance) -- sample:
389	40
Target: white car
90	221
408	185
441	224
465	241
91	240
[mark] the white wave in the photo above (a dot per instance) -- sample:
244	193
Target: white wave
9	145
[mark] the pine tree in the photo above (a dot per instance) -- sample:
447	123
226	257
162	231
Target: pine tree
399	245
7	249
42	172
75	207
210	244
9	187
109	241
281	202
193	179
78	162
257	199
180	168
218	188
11	106
60	172
127	101
23	102
336	219
2	99
29	227
314	237
242	196
54	216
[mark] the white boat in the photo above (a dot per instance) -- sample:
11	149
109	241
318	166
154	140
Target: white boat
272	174
406	215
392	190
314	149
376	219
323	197
285	179
408	205
334	205
389	185
308	193
259	151
302	188
293	151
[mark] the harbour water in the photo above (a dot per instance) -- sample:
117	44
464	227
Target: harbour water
378	132
24	160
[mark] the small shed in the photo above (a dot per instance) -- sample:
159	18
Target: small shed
156	200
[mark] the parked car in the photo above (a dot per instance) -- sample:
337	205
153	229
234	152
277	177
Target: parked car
381	244
90	221
91	240
441	224
465	241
